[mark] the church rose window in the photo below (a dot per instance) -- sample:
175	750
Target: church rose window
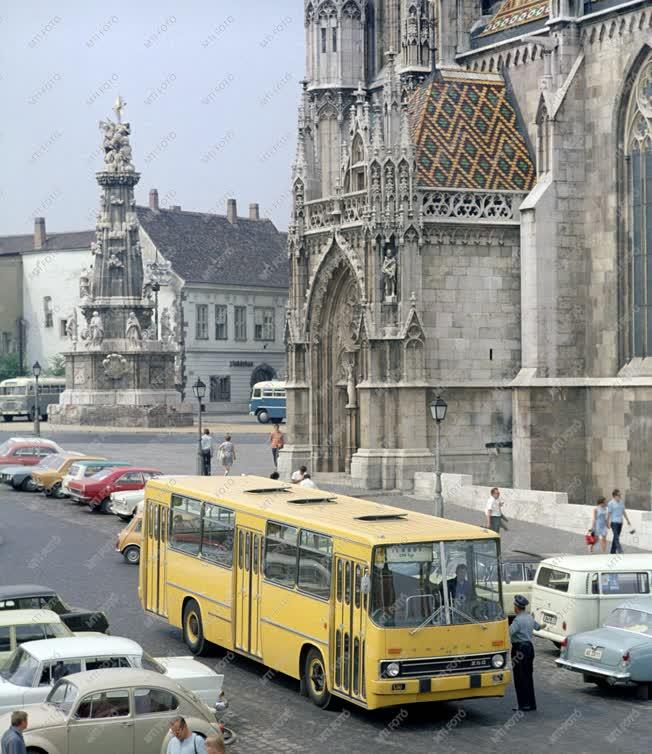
639	188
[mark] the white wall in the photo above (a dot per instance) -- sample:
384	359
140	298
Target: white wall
54	274
205	358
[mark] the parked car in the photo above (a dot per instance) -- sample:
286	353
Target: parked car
35	666
84	468
619	653
49	479
573	593
33	597
122	710
95	491
130	539
18	626
20	476
126	504
26	451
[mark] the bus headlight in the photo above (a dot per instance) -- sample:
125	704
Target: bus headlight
498	661
393	669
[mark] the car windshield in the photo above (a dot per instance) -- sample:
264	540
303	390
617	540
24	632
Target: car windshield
407	583
5	447
63	695
637	621
53	461
147	662
102	474
20	668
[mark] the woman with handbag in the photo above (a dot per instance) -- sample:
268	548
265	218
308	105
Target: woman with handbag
598	530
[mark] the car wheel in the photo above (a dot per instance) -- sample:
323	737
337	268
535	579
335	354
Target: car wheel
27	485
103	507
57	491
228	735
316	681
132	554
7	418
125	516
263	417
193	629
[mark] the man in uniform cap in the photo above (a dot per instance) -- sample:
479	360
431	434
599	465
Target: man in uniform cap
520	633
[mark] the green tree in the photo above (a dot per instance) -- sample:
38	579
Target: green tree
9	366
57	366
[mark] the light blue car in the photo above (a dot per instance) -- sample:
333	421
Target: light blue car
619	653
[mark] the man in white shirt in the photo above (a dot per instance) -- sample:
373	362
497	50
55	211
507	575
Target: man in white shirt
298	475
307	482
183	740
206	444
493	510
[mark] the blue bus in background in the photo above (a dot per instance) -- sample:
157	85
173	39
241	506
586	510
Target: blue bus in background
267	402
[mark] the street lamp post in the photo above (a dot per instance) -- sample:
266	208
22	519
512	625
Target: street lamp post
438	411
199	389
36	371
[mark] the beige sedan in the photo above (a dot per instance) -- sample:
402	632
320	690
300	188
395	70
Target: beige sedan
110	711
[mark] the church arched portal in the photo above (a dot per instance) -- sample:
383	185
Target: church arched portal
336	369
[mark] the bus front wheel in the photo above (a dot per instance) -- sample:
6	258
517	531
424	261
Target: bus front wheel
193	629
315	678
263	417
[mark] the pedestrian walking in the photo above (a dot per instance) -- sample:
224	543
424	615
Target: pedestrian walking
215	744
494	510
615	514
298	475
599	528
307	482
183	740
206	443
227	454
13	741
276	441
520	632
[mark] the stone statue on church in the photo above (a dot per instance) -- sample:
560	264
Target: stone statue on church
84	285
389	275
133	332
349	369
166	328
96	329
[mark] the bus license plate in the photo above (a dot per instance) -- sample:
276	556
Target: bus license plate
593	654
551	620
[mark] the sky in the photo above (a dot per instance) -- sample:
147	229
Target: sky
211	87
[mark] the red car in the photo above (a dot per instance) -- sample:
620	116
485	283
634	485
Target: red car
26	451
95	491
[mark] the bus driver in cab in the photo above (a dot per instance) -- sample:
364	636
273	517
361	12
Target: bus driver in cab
459	587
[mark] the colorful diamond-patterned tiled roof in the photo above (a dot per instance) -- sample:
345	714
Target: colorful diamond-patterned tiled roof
516	13
466	136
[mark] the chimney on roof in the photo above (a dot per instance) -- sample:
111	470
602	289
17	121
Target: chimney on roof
153	200
254	211
231	211
175	207
39	232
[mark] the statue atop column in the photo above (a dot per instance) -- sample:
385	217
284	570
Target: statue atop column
133	332
389	275
96	329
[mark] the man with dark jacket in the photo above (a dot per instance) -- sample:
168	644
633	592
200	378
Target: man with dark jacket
12	741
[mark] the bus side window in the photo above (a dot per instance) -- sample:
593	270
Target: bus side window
339	580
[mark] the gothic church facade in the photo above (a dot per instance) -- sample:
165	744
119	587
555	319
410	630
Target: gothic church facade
472	218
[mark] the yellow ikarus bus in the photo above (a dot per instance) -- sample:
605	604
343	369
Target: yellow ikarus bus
368	602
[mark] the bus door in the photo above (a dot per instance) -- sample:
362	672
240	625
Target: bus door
154	551
349	627
248	574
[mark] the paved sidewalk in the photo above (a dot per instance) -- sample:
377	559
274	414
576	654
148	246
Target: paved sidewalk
521	535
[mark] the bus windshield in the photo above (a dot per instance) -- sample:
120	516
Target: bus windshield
15	389
408	583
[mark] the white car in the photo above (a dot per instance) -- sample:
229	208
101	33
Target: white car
34	667
127	503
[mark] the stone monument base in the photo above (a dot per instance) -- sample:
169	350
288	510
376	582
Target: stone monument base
155	416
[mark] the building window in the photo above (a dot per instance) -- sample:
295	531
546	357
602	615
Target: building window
240	319
639	213
220	389
63	328
201	330
220	322
334	40
47	311
263	323
323	39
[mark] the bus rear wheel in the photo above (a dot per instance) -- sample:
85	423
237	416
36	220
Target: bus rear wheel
315	679
193	628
